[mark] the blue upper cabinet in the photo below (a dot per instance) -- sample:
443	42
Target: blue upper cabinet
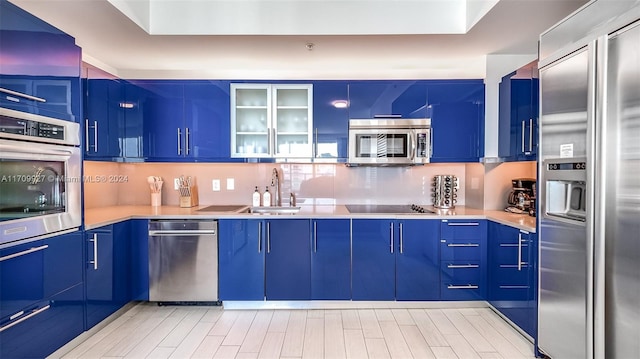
518	115
103	115
180	120
368	99
456	109
39	66
206	116
330	123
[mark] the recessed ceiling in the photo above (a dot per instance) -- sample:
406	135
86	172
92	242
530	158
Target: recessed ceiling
112	41
304	17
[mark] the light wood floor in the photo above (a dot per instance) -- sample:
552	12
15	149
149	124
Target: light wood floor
150	331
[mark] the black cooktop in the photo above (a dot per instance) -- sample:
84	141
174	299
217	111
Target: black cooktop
387	209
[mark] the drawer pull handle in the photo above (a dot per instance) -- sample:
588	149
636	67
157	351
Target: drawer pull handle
30	250
463	224
463	245
32	314
468	286
514	287
457	266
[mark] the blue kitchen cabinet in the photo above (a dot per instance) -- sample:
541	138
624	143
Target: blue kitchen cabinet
331	124
511	284
456	109
288	260
463	259
139	247
181	120
206	117
104	118
418	260
40	64
241	259
331	259
373	259
41	295
404	98
518	115
108	270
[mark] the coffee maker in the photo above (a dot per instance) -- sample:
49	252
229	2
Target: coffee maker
522	197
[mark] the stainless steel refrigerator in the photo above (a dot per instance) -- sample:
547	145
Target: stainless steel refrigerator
589	168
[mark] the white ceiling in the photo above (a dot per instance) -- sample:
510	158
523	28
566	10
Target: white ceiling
112	41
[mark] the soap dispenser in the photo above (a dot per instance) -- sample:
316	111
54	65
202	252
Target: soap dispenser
256	198
266	197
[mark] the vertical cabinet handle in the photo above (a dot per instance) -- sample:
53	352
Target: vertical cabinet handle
269	150
391	239
259	237
315	143
522	136
86	135
530	134
273	138
186	141
519	251
179	142
94	240
268	238
315	237
95	136
401	240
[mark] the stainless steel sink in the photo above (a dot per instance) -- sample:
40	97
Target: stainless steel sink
274	210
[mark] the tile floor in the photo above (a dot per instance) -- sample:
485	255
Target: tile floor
151	331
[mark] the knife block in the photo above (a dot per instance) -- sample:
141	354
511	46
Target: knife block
191	200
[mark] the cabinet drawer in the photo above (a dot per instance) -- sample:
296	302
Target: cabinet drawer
456	250
453	272
45	327
461	229
461	291
510	276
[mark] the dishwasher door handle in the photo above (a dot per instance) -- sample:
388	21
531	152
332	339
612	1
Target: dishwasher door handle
180	233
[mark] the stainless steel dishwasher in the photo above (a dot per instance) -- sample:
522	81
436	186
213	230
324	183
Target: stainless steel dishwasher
183	261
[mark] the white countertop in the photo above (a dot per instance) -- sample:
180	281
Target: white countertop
98	217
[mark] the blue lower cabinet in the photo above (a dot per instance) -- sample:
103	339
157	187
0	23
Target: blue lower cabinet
373	259
47	326
41	296
139	247
107	274
463	257
241	259
418	260
288	260
512	285
331	259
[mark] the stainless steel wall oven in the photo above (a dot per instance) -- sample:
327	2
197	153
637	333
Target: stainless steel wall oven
40	175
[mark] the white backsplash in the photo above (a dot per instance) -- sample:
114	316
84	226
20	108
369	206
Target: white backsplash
312	183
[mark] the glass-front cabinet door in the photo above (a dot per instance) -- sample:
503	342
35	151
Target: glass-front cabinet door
271	120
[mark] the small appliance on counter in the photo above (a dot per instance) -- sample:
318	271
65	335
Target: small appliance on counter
522	197
188	192
445	191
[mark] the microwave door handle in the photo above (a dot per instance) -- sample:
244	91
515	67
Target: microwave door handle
412	142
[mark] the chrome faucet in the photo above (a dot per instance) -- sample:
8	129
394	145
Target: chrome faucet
275	182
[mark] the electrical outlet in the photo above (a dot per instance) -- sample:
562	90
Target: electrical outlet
215	184
230	184
176	183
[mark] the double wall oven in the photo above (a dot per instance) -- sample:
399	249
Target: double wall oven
40	175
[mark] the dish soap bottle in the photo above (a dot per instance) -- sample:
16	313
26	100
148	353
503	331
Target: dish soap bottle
266	198
256	198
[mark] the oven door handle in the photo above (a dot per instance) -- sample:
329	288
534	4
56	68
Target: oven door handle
21	149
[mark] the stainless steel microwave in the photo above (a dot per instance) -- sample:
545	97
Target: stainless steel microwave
389	142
